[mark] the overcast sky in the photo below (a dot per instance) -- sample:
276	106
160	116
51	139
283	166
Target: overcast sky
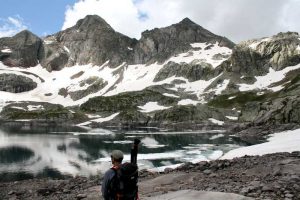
235	19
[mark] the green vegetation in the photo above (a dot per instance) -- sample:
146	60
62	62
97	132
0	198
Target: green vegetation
125	101
133	116
240	99
50	112
177	114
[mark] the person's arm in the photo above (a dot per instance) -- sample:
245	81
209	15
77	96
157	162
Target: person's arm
106	183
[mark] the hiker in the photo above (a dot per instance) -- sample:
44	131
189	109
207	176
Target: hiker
120	181
116	159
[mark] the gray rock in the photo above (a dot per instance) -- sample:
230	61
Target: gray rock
53	56
160	44
288	195
16	83
192	71
192	194
25	48
92	40
207	171
81	196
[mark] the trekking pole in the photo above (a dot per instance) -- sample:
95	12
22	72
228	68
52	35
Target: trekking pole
134	151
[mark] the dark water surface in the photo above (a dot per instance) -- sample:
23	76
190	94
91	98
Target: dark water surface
27	152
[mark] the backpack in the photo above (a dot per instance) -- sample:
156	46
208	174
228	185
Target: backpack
124	183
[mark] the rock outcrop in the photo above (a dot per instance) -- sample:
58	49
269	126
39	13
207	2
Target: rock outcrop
21	50
16	83
192	71
255	57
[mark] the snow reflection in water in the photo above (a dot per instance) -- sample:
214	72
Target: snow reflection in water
76	151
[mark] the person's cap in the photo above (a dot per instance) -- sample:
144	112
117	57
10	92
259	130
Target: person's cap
117	154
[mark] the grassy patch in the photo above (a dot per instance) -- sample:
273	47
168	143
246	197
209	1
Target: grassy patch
176	114
125	101
241	98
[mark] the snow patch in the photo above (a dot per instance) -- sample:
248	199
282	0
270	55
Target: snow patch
35	107
220	87
216	136
232	117
162	168
262	82
287	141
203	55
99	120
170	95
152	106
119	142
188	102
258	42
17	107
66	49
215	121
6	50
151	143
48	41
215	155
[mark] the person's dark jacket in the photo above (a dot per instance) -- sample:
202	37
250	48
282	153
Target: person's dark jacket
106	183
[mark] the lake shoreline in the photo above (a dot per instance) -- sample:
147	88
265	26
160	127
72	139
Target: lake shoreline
273	176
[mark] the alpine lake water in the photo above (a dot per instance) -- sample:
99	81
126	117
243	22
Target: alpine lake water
27	152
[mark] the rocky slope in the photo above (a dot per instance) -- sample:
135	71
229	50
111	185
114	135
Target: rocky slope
180	74
274	176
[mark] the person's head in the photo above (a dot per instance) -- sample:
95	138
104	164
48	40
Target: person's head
116	157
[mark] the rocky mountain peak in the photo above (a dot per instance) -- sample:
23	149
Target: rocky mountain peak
20	50
93	21
93	40
26	35
288	34
161	43
187	21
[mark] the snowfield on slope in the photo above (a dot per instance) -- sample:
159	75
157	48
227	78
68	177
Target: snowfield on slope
123	78
264	82
287	141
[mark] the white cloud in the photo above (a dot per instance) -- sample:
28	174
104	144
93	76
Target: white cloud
11	26
238	20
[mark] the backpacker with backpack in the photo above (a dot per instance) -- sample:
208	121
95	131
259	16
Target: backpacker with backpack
124	185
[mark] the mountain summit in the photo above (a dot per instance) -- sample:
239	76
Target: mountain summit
160	43
93	40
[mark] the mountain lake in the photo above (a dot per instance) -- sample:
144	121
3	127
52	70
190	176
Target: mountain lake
27	152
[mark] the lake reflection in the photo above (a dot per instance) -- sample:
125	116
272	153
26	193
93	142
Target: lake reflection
47	151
